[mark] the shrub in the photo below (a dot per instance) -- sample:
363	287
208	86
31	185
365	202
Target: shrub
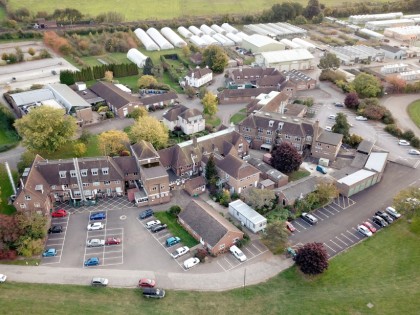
388	118
85	136
408	135
8	254
201	254
109	114
174	210
393	130
79	149
354	140
415	142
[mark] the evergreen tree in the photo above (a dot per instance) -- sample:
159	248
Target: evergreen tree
148	67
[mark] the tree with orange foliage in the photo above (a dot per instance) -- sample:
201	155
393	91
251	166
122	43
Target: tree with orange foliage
398	84
57	43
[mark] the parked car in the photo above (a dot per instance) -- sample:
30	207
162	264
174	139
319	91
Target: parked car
191	262
379	221
94	261
145	214
321	169
332	116
290	226
50	252
99	282
392	212
369	226
364	230
338	104
171	241
95	226
147	283
384	216
2	278
95	242
414	152
403	142
328	128
237	253
309	218
157	228
180	251
153	293
362	118
98	216
152	223
113	241
59	213
55	229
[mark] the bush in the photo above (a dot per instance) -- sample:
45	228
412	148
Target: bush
174	210
415	142
388	119
201	254
354	140
408	135
8	254
393	130
85	136
109	114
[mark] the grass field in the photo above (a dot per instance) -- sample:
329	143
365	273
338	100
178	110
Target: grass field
301	173
2	14
66	151
6	191
414	112
382	271
238	117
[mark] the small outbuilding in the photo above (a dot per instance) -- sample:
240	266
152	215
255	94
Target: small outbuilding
249	218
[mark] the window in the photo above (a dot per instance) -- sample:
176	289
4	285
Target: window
72	173
246	129
65	186
162	186
268	141
271	123
27	197
135	173
94	171
236	239
297	139
154	188
22	205
77	193
74	186
318	145
117	181
269	132
287	137
222	246
37	205
260	130
83	172
85	184
53	187
107	182
280	126
63	174
96	183
105	170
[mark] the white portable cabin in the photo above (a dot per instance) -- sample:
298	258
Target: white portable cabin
248	217
207	30
145	39
184	32
309	46
173	37
209	40
229	28
291	45
223	40
218	29
159	39
136	57
198	41
195	30
234	37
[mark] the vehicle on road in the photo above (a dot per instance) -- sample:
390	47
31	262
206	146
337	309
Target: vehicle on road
321	169
98	216
403	142
153	293
113	241
369	226
94	261
145	214
99	282
384	216
379	221
309	218
95	226
328	128
59	213
95	242
152	223
414	152
191	262
50	252
171	241
180	251
55	229
338	104
237	253
332	116
158	228
2	278
392	212
291	252
146	283
364	230
290	226
361	118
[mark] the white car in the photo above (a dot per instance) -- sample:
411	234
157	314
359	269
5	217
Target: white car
152	223
95	242
403	142
95	226
180	251
237	253
328	128
392	212
2	278
191	262
414	152
361	118
364	230
97	281
332	116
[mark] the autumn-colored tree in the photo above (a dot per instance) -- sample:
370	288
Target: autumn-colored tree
57	43
109	76
352	100
147	81
31	51
186	51
113	141
275	237
149	129
209	102
285	158
261	200
79	149
312	258
407	202
326	192
215	58
139	112
10	231
398	84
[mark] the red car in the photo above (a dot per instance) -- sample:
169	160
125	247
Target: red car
146	283
290	226
369	226
59	213
112	241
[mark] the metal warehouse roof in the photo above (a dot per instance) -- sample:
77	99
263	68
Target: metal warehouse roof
247	211
68	94
33	96
287	55
355	177
376	161
260	40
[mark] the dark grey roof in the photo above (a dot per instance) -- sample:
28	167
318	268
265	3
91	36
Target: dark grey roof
243	92
391	48
359	160
157	98
302	187
195	182
236	167
173	113
89	96
144	150
365	146
154	172
114	95
199	72
330	138
127	164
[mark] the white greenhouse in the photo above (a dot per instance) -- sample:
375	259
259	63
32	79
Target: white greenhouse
159	39
173	37
234	37
184	32
136	57
242	35
291	45
207	30
195	30
223	40
198	41
209	40
218	29
304	44
229	28
148	43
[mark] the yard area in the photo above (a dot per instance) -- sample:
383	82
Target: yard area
212	120
301	173
238	117
414	112
381	270
8	135
66	152
6	191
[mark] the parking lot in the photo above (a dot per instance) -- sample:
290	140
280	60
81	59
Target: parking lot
56	241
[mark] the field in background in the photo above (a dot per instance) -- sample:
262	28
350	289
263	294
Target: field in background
2	14
414	112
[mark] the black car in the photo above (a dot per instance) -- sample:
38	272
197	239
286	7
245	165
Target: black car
379	221
337	104
145	214
153	293
55	229
384	216
158	228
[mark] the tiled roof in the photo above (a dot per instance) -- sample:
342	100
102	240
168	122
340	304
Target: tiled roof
236	167
114	95
199	72
195	183
243	92
154	172
158	98
144	150
127	164
330	138
301	187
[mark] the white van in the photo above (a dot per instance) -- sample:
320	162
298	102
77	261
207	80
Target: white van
237	253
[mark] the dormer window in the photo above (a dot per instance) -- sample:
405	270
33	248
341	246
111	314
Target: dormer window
105	170
63	174
271	123
83	172
72	173
280	126
27	197
94	171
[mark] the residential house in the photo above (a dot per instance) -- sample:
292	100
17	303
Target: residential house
213	231
297	81
243	77
198	77
269	173
240	96
190	120
298	189
120	102
162	99
248	217
195	186
326	144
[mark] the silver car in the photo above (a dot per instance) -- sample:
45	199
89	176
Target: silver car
95	242
101	282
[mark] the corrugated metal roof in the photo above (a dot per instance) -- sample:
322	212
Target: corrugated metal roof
261	40
287	55
247	212
355	177
73	99
376	161
32	96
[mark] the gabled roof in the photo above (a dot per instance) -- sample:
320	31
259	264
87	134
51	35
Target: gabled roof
144	150
157	98
199	72
300	188
253	72
113	95
287	55
236	167
330	138
195	182
190	113
206	222
227	93
181	111
127	164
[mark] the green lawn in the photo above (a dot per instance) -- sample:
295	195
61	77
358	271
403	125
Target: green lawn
213	121
238	117
176	229
8	135
2	14
66	152
301	173
414	112
6	191
382	270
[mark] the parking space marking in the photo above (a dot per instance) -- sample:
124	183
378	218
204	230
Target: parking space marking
299	224
255	247
241	263
319	210
328	211
247	250
60	244
347	238
342	241
336	244
221	266
330	247
352	234
318	216
338	211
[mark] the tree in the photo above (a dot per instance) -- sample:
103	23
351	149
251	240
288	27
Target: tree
79	149
28	247
225	198
261	200
329	61
147	81
113	141
210	170
138	112
398	84
275	237
326	192
175	210
286	158
148	67
109	76
312	258
31	51
301	20
202	91
190	92
186	51
215	58
32	224
366	85
46	128
10	230
352	100
312	9
341	125
209	102
149	129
